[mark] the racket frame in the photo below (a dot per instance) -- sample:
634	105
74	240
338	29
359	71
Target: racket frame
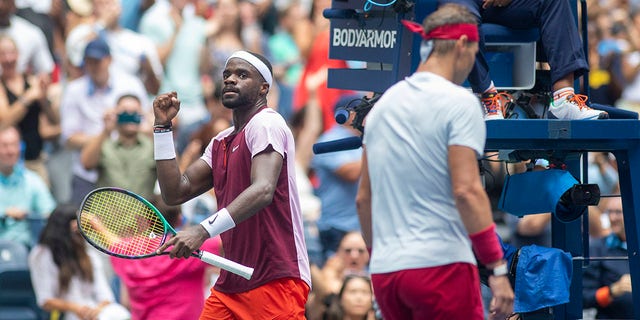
168	229
207	257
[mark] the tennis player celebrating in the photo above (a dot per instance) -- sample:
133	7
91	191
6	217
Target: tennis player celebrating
251	168
421	200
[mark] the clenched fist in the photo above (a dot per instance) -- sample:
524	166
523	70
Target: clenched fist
165	108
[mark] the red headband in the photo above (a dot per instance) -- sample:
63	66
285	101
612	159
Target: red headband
445	32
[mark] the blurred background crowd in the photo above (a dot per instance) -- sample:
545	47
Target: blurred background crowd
76	84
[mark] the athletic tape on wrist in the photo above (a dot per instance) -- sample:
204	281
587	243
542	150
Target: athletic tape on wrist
218	222
163	148
486	245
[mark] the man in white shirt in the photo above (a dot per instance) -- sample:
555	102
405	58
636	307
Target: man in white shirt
83	106
421	204
132	52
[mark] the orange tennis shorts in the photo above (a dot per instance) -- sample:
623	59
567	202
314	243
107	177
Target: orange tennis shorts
279	299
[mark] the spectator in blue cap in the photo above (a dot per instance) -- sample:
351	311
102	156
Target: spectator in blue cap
85	103
96	61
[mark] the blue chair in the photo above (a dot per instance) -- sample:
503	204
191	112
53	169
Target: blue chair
511	55
17	298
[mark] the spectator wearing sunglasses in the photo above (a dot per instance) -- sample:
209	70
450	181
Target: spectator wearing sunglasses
124	161
607	283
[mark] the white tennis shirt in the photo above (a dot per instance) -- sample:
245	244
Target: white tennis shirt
407	134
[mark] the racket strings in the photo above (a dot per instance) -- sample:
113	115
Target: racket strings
121	224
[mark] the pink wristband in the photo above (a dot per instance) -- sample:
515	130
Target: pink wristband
486	246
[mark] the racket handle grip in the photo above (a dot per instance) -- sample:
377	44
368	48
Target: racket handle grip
226	264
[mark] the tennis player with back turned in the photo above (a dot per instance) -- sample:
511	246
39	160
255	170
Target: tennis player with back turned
421	203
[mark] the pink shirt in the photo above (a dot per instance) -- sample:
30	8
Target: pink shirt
164	288
272	240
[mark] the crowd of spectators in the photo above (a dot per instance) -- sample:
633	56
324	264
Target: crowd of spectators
78	77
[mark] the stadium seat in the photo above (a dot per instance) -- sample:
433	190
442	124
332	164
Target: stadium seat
511	55
17	298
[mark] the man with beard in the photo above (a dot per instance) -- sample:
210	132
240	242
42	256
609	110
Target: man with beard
251	168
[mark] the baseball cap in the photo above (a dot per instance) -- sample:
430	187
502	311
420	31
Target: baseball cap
97	49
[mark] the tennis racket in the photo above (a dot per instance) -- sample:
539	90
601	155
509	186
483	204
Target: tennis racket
125	225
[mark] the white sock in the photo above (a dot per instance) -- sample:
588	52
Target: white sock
491	89
561	94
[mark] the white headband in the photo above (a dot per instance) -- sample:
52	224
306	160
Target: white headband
255	62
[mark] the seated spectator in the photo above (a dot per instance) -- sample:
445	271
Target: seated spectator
563	50
67	275
607	283
126	161
151	284
354	301
351	258
24	195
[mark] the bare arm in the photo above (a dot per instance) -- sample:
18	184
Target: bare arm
312	127
82	311
533	224
149	78
176	187
77	140
470	198
90	155
165	49
51	130
265	170
51	113
475	211
48	130
363	200
350	172
10	115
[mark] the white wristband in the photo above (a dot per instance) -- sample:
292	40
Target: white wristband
163	148
218	222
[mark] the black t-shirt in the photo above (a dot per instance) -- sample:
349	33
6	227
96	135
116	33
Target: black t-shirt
28	126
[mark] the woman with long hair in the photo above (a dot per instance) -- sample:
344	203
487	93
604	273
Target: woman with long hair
354	301
66	275
24	104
